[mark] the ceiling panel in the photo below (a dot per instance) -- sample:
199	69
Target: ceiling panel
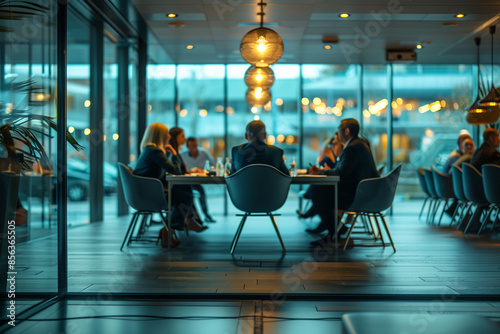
216	28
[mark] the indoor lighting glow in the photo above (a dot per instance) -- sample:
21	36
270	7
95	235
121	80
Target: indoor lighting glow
304	101
189	47
366	113
86	103
317	101
256	118
279	102
172	15
344	15
230	110
399	101
71	129
460	16
258	97
183	113
115	136
289	139
429	133
104	138
271	140
254	110
419	46
259	77
203	112
86	131
327	47
280	138
409	106
219	108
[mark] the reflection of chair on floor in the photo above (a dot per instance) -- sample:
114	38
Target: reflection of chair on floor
144	194
372	197
258	190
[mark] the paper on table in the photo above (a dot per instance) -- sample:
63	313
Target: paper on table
309	175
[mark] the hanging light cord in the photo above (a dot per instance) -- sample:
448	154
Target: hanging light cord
492	32
261	4
478	42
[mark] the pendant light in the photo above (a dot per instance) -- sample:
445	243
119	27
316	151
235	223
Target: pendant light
258	97
261	47
493	97
259	77
478	114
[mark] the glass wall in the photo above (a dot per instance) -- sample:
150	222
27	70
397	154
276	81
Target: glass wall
78	87
27	95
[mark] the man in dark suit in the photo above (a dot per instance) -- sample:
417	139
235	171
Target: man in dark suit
355	164
487	153
256	151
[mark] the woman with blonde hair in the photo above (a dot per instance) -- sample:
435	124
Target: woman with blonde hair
153	162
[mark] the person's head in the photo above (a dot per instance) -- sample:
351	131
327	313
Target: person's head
192	145
157	135
256	130
491	136
461	138
468	146
177	138
336	145
348	128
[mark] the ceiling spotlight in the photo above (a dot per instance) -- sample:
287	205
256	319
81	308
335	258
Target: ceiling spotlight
189	47
327	47
172	15
460	16
344	15
419	46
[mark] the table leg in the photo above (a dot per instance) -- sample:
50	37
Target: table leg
169	215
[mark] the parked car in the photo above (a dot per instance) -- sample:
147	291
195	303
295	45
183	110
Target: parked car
79	179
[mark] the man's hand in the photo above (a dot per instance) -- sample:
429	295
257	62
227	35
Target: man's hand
313	170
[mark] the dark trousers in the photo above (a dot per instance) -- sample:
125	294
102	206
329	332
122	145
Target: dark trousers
182	202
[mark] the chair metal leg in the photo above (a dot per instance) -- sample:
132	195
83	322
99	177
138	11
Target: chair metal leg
423	206
463	217
380	231
485	220
238	233
442	212
388	233
376	231
474	218
131	236
132	223
277	232
350	230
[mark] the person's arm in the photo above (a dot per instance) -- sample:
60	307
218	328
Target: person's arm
495	159
161	159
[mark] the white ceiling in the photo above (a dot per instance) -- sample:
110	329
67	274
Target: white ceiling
215	28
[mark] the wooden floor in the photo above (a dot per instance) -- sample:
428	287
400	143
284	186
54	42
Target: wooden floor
429	260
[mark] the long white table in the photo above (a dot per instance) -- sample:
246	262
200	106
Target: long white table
301	179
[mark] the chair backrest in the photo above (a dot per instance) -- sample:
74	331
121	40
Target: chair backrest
473	184
142	193
380	169
429	181
376	194
491	182
458	184
258	188
421	180
443	184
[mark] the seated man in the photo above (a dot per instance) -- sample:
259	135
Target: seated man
355	164
487	153
256	151
196	157
455	155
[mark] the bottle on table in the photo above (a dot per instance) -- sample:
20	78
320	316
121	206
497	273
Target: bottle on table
227	166
219	167
207	167
293	168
